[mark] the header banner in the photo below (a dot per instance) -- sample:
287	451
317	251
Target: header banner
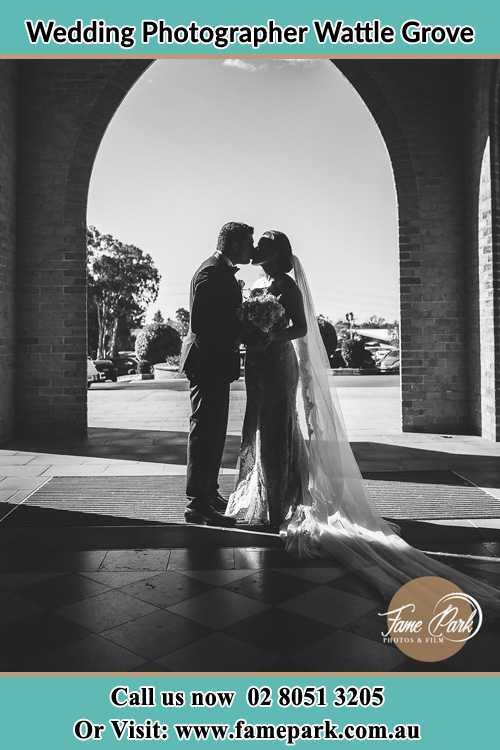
224	28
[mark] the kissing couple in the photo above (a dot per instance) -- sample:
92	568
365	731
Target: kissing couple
297	473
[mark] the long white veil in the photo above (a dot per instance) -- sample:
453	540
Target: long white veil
337	519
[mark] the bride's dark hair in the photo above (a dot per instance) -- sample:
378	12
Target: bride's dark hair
276	246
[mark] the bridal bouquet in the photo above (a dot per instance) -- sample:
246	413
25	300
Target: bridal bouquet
263	311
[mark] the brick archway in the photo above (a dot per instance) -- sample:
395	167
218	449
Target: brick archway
62	110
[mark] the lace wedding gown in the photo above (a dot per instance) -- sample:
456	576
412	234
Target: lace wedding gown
273	451
308	478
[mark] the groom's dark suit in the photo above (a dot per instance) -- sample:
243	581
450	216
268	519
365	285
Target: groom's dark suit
210	359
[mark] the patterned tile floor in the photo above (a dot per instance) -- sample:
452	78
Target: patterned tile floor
221	609
248	609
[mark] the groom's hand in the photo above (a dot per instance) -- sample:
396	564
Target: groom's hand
250	335
261	343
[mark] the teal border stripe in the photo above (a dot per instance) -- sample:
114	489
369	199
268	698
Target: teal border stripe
483	16
454	712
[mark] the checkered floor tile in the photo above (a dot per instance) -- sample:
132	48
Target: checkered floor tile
196	610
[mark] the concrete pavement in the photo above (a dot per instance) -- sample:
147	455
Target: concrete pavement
140	427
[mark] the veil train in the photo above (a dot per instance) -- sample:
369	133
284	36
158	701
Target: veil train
337	520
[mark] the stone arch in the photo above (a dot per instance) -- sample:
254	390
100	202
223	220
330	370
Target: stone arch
65	107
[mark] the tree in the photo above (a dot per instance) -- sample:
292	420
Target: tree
395	333
158	317
375	321
132	320
122	281
156	342
183	319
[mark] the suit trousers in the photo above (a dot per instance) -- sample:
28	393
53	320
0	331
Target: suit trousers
207	436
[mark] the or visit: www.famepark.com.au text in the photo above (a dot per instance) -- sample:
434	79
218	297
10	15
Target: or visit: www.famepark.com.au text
292	733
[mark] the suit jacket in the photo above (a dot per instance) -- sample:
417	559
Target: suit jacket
211	348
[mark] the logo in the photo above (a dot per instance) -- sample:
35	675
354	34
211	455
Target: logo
431	619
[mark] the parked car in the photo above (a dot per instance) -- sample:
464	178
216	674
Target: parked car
379	352
390	363
107	368
125	364
93	374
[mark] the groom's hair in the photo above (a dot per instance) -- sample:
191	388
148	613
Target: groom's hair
231	231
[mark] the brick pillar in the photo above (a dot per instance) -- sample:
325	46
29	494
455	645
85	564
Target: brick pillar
65	107
418	106
486	302
8	112
478	190
491	272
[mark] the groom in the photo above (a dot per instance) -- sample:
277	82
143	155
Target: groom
210	359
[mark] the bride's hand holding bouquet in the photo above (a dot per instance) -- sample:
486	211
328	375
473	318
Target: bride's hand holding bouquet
261	314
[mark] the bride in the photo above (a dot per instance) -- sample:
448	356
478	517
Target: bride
300	475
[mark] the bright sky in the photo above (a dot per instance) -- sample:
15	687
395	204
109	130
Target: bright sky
277	144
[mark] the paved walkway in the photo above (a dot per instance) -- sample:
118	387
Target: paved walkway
183	597
139	427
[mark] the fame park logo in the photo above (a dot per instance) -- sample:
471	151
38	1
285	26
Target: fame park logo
430	619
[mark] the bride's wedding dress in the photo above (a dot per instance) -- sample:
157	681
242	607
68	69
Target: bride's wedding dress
303	471
273	453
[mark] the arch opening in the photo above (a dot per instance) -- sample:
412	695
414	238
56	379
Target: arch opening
275	144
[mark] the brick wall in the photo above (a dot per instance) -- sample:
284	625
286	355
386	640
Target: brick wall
7	244
494	124
65	107
478	258
418	106
486	301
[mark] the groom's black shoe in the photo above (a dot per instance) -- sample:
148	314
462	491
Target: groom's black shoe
218	502
208	516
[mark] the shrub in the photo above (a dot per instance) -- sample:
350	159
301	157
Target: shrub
337	360
156	342
355	355
173	360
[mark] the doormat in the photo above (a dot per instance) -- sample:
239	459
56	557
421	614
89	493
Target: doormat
101	500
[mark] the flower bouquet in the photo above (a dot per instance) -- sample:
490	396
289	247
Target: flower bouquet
262	311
